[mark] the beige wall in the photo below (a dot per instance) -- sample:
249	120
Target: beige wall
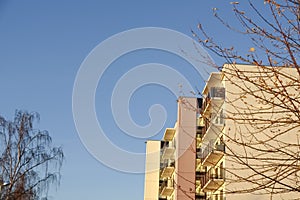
245	123
151	187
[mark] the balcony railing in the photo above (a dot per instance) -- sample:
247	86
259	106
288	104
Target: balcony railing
167	163
218	119
200	174
217	95
217	92
199	167
211	154
200	196
217	197
166	188
167	151
214	126
211	148
200	131
198	153
162	198
212	180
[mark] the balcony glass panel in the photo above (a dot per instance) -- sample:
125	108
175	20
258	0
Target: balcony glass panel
217	92
166	188
167	151
214	98
213	179
213	128
211	154
167	168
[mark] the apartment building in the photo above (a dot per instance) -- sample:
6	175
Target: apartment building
197	158
171	163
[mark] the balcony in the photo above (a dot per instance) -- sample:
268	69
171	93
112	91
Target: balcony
199	167
169	134
213	180
198	186
199	121
200	196
214	98
167	169
213	127
198	153
217	197
199	175
167	151
200	132
166	188
163	198
212	154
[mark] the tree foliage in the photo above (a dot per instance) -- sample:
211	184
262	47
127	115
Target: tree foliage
28	160
266	132
274	33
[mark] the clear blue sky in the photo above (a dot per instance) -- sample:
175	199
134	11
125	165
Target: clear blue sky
42	45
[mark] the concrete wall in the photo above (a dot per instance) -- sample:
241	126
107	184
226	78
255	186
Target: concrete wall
185	149
151	187
248	122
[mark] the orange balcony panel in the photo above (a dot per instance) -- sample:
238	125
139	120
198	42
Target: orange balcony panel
169	134
167	191
213	184
213	158
212	180
167	172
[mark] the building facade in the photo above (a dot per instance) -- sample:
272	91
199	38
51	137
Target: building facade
202	157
